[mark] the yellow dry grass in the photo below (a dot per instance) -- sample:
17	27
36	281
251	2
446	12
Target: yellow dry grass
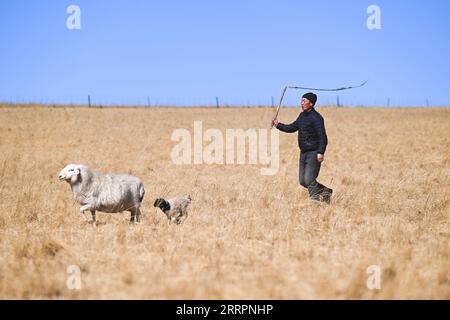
248	235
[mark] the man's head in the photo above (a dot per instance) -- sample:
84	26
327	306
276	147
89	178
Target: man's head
308	101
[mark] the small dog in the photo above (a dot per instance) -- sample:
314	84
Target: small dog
175	209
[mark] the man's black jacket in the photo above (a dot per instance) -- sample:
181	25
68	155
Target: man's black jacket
311	131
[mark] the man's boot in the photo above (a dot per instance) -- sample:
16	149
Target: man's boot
326	195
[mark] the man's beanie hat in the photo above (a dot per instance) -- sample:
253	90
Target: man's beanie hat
311	97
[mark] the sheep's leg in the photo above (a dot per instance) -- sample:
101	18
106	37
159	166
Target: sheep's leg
133	215
82	210
138	215
83	216
94	221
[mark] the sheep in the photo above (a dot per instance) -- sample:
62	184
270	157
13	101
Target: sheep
175	209
104	192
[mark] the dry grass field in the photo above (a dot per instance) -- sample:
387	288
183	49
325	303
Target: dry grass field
248	236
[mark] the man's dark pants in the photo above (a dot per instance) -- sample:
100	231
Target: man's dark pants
309	169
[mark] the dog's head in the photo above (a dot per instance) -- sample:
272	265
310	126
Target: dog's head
160	203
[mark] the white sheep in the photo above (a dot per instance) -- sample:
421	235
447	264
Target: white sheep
104	192
175	209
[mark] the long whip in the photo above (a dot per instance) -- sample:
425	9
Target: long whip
314	89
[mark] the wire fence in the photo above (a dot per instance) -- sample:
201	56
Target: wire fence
91	101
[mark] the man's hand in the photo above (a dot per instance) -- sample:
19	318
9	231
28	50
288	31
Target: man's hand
274	122
320	157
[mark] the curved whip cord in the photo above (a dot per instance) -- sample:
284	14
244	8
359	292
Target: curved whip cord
314	89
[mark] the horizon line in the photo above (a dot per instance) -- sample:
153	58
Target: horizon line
208	106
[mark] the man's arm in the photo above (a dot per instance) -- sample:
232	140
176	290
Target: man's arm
288	128
319	126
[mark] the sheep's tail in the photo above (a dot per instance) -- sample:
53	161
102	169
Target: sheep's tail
141	192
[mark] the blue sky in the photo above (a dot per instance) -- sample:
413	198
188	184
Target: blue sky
244	52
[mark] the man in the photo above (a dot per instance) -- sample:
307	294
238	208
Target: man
312	141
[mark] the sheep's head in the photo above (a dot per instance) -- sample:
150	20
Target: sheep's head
70	173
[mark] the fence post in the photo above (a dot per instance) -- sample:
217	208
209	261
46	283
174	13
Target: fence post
217	102
89	100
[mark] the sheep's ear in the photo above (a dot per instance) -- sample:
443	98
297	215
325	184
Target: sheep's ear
77	171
